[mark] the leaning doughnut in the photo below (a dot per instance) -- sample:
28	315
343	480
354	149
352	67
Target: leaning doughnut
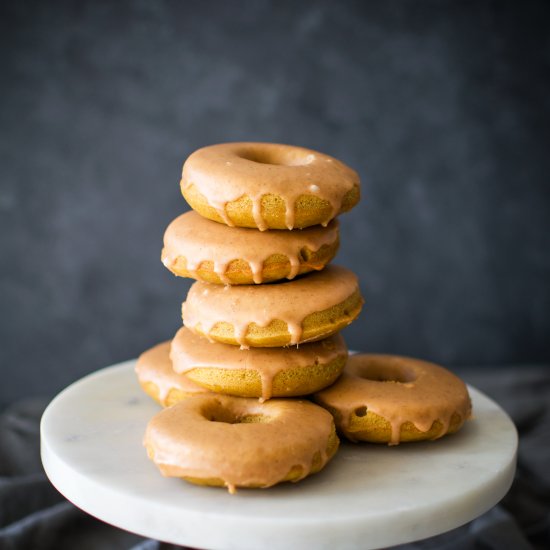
239	442
306	309
208	251
268	185
392	399
158	380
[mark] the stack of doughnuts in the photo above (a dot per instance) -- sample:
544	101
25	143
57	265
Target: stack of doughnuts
260	333
261	322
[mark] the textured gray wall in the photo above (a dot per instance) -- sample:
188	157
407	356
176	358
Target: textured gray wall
442	107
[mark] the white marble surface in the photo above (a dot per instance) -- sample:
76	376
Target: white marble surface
368	497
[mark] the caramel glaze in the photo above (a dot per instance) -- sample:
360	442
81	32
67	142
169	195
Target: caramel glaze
208	304
238	440
155	366
190	351
200	240
399	389
224	173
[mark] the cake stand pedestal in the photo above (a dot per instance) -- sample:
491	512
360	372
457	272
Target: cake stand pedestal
369	496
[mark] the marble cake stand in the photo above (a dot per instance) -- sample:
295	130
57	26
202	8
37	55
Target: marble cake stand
369	496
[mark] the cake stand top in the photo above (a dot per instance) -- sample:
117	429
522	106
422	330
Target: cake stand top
369	496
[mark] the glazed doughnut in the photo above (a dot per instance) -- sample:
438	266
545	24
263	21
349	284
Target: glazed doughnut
258	372
238	442
208	251
158	379
306	309
267	185
389	399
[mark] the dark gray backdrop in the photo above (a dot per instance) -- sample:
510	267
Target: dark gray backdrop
442	107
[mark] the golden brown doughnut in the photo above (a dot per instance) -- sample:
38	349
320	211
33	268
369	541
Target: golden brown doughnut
309	308
239	442
268	185
258	372
208	251
158	379
392	399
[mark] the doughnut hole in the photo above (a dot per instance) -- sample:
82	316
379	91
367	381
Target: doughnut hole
276	156
387	372
216	412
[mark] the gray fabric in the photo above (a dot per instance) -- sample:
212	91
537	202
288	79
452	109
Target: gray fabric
33	515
